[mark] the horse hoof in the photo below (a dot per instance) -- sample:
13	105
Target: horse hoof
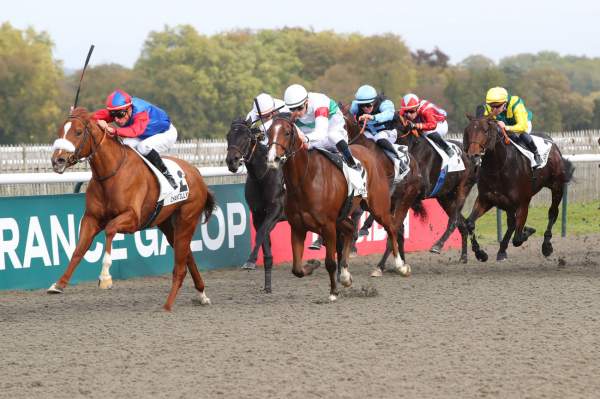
202	300
315	246
363	232
547	249
105	284
463	259
501	256
249	266
518	243
55	290
404	270
346	278
481	256
332	298
377	272
436	249
267	290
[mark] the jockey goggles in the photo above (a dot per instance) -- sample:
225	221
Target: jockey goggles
120	113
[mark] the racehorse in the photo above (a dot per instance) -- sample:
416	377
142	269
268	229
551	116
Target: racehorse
316	200
452	194
122	197
264	190
404	195
507	182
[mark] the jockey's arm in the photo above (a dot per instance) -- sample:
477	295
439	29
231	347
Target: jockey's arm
140	121
386	113
103	115
520	115
428	121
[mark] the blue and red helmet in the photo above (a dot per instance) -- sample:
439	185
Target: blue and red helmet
117	100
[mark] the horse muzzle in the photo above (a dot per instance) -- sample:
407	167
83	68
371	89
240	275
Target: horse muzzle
233	163
476	159
59	164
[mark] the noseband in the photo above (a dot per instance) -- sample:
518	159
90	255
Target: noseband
482	145
245	157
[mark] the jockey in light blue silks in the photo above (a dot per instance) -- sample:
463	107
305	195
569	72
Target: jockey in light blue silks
380	116
321	120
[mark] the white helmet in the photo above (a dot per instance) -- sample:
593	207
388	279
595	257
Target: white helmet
295	96
266	104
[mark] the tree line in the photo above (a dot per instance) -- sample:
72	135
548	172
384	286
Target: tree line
204	82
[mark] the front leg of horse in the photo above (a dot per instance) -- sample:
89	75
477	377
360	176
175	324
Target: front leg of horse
89	229
522	232
480	207
299	270
329	240
126	222
510	221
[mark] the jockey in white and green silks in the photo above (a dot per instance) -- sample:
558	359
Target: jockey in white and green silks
321	121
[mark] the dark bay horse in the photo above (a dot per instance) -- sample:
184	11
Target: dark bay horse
404	195
452	194
122	196
507	182
264	189
316	193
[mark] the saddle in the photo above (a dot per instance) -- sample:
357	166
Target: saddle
543	146
357	181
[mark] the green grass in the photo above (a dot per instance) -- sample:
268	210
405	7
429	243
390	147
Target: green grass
581	219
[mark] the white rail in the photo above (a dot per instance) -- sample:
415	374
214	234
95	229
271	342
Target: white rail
77	177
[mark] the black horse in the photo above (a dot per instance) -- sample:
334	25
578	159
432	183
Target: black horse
451	195
264	190
507	182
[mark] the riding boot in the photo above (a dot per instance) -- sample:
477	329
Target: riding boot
383	143
436	138
157	161
526	138
342	147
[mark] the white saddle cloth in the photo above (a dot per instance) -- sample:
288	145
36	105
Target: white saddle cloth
167	193
544	146
357	180
455	164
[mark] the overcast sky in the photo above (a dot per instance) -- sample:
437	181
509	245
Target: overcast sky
458	27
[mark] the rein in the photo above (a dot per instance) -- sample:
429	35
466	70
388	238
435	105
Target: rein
289	154
75	158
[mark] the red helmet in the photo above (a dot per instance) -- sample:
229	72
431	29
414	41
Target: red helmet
118	99
409	101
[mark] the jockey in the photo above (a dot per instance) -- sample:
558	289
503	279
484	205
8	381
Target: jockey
143	126
320	118
261	116
379	114
426	118
512	116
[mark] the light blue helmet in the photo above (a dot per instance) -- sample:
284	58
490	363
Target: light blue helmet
365	94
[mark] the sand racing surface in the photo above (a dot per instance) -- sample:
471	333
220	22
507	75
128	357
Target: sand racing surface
525	328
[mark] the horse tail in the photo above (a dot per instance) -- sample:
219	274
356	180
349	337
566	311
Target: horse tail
419	209
568	170
209	205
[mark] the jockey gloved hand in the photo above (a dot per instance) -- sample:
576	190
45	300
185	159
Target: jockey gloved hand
304	139
410	125
367	117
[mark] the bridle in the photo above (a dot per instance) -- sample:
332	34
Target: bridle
75	158
288	153
245	157
482	144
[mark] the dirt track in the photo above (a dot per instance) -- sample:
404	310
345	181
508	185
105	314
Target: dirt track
527	327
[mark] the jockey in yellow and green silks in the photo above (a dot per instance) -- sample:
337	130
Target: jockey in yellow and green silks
510	113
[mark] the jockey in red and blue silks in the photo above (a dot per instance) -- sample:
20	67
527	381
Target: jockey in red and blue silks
143	126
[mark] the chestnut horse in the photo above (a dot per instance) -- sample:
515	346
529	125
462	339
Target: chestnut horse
405	194
316	194
507	182
263	190
122	196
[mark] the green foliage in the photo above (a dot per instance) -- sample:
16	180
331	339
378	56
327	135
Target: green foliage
203	82
29	86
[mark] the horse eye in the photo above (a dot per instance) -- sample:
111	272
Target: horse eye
78	133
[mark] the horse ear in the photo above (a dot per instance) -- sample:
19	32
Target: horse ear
469	116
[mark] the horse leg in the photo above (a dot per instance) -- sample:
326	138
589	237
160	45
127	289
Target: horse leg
522	233
329	240
451	208
479	208
126	222
557	193
258	220
364	230
464	234
378	270
268	260
167	228
346	229
299	270
89	229
510	228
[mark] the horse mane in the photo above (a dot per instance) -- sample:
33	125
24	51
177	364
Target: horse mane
80	112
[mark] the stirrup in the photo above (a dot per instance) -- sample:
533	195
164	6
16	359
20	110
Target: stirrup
170	179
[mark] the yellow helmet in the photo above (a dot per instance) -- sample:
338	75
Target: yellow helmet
496	95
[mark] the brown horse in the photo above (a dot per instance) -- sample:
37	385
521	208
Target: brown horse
405	195
507	182
316	193
122	197
453	192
